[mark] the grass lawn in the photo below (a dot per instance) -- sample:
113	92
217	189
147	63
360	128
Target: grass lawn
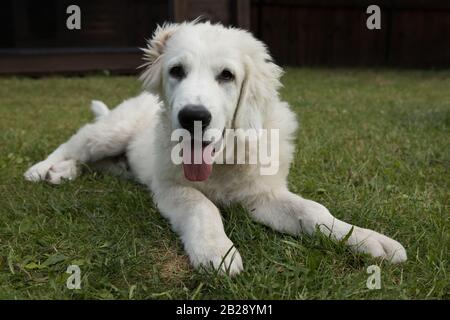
373	147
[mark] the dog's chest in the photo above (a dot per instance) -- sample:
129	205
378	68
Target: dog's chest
226	183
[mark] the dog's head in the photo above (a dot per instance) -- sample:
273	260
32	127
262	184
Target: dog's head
210	77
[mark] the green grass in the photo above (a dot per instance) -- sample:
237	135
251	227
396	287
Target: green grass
373	146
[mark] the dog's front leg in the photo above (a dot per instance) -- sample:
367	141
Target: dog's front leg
290	213
199	224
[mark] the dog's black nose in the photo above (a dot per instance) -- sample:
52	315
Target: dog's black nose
191	113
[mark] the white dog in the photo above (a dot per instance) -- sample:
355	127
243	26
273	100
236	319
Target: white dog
224	78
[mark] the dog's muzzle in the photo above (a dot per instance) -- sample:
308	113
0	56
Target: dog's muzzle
190	114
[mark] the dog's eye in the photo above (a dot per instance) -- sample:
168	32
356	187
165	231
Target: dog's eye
177	72
225	75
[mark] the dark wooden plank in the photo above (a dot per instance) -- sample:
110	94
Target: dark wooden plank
352	4
180	10
414	33
337	36
243	14
420	39
214	11
6	24
103	22
70	63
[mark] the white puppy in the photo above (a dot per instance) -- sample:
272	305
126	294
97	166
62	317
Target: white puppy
226	79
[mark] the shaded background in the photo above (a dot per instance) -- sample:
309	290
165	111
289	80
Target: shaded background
34	38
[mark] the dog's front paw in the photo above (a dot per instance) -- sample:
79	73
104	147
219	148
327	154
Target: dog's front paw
38	172
378	245
220	255
64	170
54	173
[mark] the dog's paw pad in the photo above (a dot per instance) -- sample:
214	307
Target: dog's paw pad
231	264
64	170
381	246
52	173
226	261
37	172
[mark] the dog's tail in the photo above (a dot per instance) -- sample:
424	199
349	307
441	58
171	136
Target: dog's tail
99	109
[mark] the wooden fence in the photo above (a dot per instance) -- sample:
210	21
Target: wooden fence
333	33
34	38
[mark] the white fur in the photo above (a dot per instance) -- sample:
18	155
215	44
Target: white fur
140	127
99	109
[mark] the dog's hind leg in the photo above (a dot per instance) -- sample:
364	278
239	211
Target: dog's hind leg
116	166
91	143
108	137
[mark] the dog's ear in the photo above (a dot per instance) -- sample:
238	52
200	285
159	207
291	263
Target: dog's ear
259	90
153	54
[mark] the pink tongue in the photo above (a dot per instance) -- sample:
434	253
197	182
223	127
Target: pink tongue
198	171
